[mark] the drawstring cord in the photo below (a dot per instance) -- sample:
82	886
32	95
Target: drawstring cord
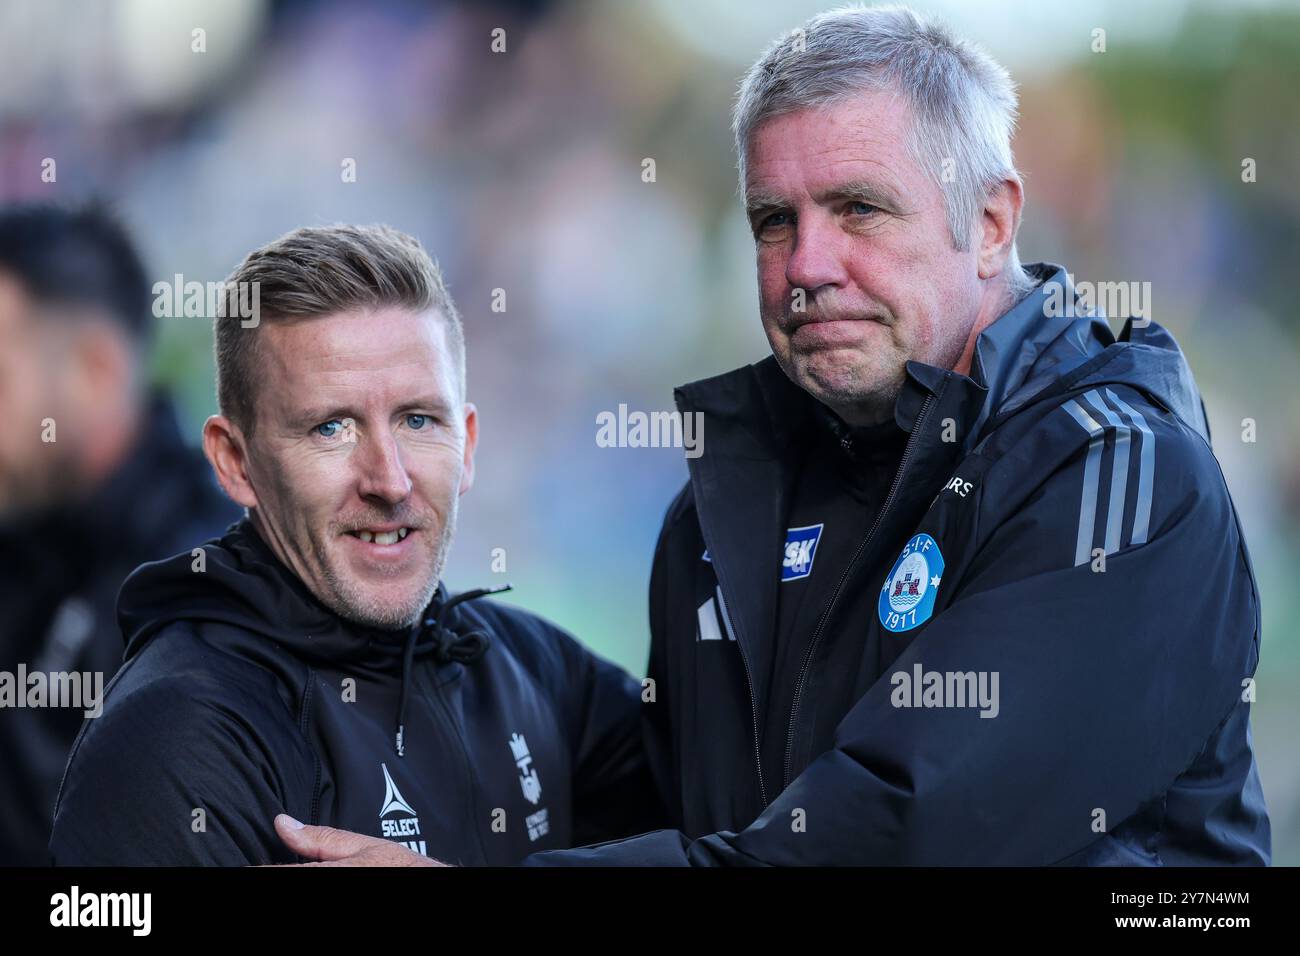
447	646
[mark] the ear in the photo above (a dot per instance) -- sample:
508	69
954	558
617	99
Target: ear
1000	222
471	442
223	444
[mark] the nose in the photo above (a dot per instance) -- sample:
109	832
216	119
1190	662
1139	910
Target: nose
817	258
383	475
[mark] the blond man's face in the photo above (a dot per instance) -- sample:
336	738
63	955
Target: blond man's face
361	451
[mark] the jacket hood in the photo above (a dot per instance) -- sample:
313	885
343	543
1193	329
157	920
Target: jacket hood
1051	336
241	583
237	580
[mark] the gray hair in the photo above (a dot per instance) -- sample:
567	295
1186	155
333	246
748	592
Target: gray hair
963	101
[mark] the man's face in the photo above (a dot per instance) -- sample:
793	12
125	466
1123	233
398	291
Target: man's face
361	449
841	210
33	472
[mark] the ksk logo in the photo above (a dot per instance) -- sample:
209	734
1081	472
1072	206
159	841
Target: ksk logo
800	550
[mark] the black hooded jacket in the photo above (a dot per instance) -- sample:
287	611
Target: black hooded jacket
1057	533
478	736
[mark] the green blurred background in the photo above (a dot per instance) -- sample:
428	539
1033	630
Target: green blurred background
521	171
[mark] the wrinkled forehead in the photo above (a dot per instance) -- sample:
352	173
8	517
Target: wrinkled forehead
864	138
371	358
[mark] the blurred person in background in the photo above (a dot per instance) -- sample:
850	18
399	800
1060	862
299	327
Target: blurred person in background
95	480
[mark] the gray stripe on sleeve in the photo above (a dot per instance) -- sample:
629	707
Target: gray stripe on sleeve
1146	469
1091	470
1118	471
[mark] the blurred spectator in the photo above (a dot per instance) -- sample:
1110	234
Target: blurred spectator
94	480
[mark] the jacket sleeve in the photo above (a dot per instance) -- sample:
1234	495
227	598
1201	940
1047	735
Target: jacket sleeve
170	775
614	793
1109	684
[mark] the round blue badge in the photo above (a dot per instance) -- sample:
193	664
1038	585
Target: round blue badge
907	599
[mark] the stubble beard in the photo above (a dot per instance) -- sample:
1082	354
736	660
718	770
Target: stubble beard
351	602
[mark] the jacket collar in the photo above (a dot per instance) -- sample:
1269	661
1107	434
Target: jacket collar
1032	345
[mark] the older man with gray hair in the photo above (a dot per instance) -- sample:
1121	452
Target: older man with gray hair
957	579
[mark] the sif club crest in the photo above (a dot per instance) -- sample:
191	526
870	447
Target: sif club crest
907	598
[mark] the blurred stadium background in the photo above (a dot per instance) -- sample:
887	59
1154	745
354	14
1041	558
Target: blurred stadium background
522	171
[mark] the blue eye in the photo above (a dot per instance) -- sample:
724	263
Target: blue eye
416	421
861	208
329	429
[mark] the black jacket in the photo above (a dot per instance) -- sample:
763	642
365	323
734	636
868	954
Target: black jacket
59	577
243	697
1058	521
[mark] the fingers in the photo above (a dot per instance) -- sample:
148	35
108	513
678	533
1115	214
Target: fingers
331	847
321	843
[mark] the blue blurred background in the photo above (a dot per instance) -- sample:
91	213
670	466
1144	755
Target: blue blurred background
522	171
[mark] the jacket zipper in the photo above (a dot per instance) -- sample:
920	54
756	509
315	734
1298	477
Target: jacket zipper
437	683
753	712
821	623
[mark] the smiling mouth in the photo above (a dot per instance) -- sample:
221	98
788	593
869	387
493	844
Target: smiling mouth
380	537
